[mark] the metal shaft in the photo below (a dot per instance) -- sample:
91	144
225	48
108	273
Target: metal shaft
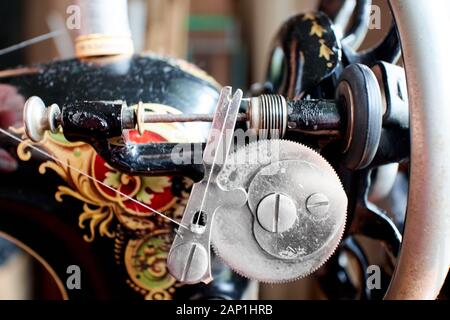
201	117
270	116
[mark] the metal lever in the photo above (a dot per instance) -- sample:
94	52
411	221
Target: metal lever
189	259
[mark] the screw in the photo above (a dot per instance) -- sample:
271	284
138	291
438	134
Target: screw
318	205
188	262
277	213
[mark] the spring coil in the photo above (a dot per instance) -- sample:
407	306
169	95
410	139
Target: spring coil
268	116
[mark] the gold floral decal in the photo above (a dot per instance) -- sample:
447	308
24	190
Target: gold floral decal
309	16
145	261
145	253
99	213
325	52
101	204
317	30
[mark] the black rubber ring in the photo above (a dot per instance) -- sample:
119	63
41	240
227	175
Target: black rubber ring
367	115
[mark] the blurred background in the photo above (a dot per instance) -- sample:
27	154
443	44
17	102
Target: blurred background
229	39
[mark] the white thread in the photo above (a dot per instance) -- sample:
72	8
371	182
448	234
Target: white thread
90	177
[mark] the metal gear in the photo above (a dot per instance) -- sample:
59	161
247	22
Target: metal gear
309	212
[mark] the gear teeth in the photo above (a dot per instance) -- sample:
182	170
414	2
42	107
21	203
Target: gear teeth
324	165
217	253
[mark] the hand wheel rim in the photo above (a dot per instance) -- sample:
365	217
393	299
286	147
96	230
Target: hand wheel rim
424	258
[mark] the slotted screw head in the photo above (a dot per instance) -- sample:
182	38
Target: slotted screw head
277	213
318	205
188	262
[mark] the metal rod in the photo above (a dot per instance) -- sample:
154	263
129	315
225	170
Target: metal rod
201	117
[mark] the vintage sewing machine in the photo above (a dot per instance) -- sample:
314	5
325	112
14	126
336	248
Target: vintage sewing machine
159	183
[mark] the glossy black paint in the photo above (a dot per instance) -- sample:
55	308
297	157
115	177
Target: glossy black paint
389	50
296	64
154	159
90	121
131	79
